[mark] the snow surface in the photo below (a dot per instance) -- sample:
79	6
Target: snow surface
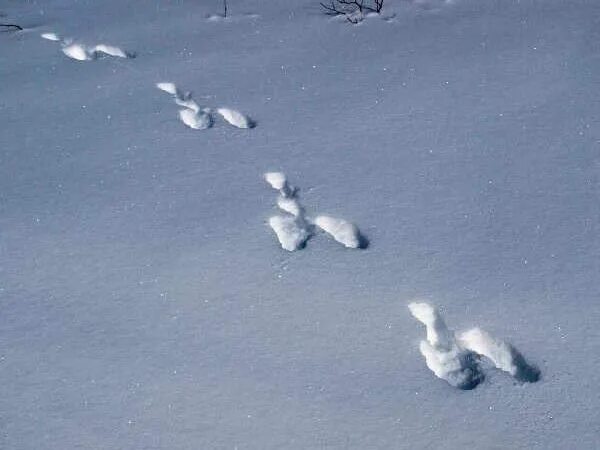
459	360
147	305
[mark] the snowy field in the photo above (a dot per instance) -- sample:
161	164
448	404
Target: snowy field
164	286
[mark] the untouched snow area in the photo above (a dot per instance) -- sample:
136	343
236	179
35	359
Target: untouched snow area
146	303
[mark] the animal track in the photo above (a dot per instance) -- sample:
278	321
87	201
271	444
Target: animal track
294	228
458	359
200	119
82	52
343	232
235	118
290	232
502	355
50	36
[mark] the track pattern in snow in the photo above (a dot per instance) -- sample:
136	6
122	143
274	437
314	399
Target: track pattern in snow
442	353
80	52
457	359
291	232
502	355
291	228
190	115
340	230
202	118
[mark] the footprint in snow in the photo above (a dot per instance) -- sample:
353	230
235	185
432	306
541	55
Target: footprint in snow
81	52
198	118
458	358
293	228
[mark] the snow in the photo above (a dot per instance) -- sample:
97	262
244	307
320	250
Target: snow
50	36
443	354
502	355
235	118
342	231
289	205
278	181
290	233
293	229
147	304
76	51
458	359
195	120
169	88
497	351
110	50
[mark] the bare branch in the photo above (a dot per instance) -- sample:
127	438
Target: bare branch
352	9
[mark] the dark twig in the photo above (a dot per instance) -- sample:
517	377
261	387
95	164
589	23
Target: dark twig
11	25
352	9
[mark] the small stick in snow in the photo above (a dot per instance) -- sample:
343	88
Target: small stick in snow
11	25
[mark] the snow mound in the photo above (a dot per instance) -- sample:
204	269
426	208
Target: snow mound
437	331
195	120
188	103
110	50
80	52
291	235
77	52
290	205
341	230
199	118
191	116
235	118
50	37
167	87
277	180
457	360
443	356
502	355
292	230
